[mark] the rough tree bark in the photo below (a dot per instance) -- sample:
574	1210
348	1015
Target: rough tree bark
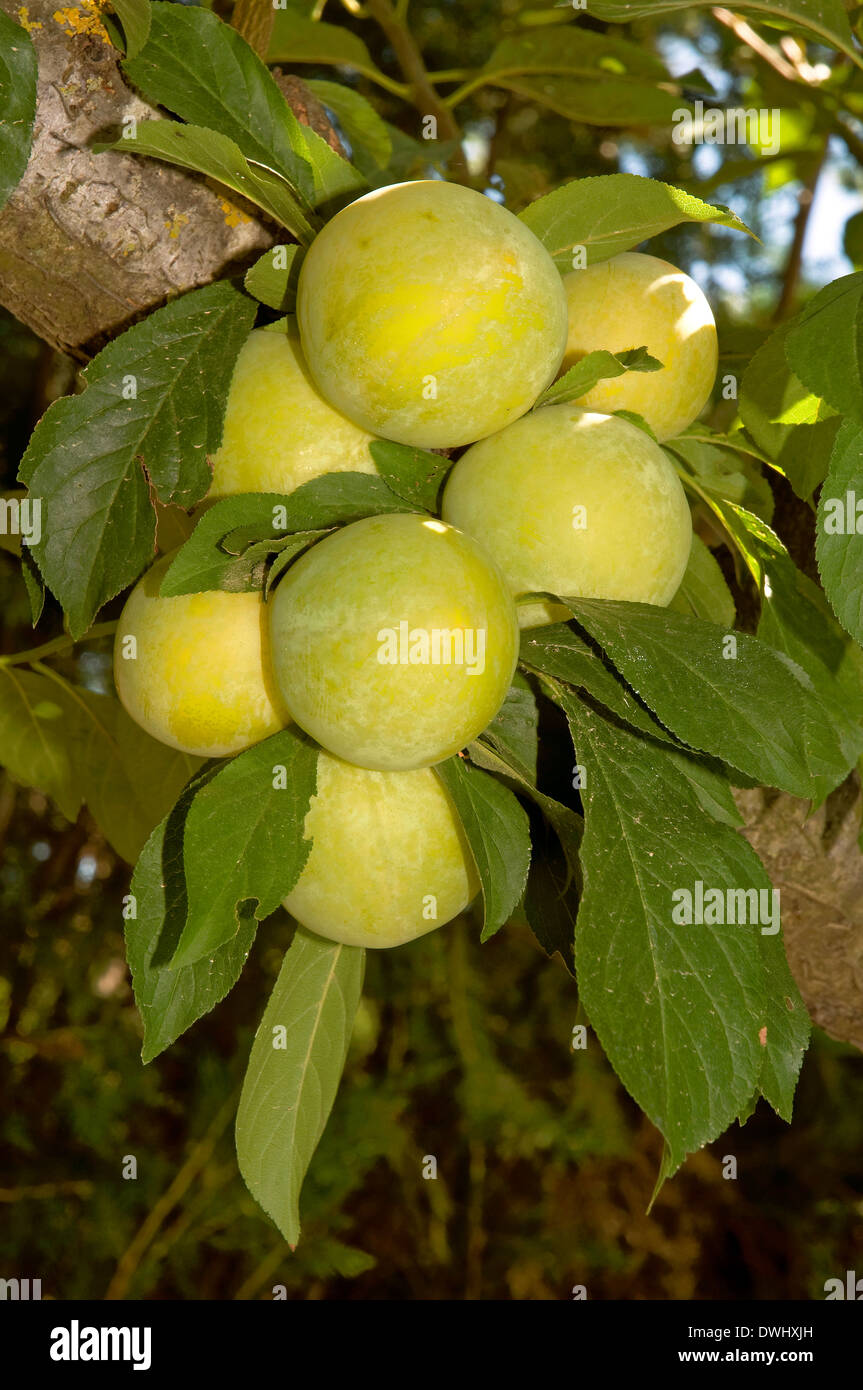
817	866
88	243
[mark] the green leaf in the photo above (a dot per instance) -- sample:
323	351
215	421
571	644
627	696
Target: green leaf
756	710
203	71
710	784
336	498
170	1001
824	346
796	620
788	1029
281	562
551	897
507	748
333	175
296	39
498	833
79	746
253	570
155	400
205	563
558	651
839	545
722	470
128	779
678	1008
510	746
12	542
514	731
852	240
293	1076
576	51
134	15
543	12
501	749
610	213
34	586
18	77
330	1258
703	591
594	367
603	100
244	840
240	561
824	20
415	475
777	410
35	747
367	134
638	420
273	278
206	152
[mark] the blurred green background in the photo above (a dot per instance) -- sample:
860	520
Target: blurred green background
545	1168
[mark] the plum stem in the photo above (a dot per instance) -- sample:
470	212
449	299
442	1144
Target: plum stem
58	644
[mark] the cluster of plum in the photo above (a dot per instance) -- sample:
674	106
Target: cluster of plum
428	315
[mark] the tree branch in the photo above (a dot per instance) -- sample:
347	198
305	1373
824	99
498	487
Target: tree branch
254	20
805	201
424	97
746	34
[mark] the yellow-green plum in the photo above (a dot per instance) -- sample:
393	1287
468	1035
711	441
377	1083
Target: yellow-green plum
632	301
393	641
574	503
430	314
279	431
194	671
389	858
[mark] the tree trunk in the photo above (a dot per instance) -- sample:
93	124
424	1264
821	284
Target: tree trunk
91	242
817	866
